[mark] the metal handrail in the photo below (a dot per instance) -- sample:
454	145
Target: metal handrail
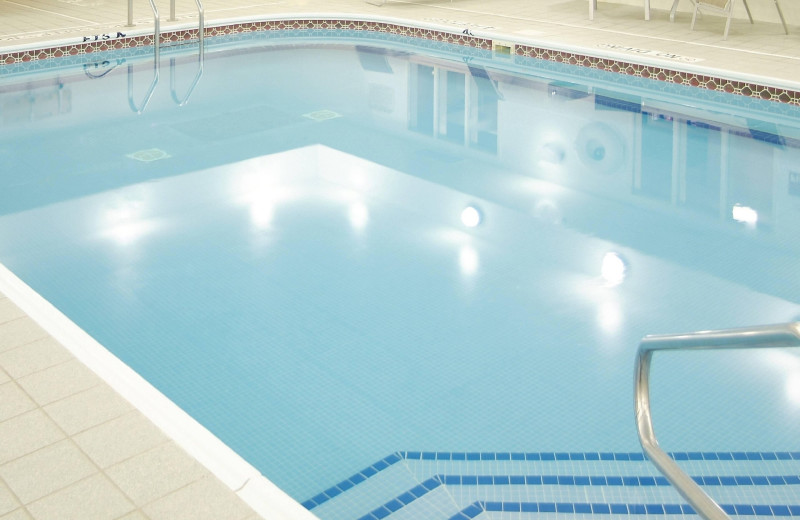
180	102
147	96
200	10
156	20
767	336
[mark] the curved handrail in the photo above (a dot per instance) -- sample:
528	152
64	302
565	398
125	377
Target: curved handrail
201	11
767	336
175	98
147	96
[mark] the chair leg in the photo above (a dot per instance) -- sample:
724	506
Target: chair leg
783	20
694	17
747	8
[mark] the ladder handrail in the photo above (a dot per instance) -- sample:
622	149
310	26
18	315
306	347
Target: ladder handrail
766	336
157	31
201	12
147	96
181	102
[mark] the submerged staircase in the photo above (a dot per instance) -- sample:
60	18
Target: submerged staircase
506	485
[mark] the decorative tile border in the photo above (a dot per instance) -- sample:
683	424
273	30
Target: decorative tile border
662	74
713	83
392	459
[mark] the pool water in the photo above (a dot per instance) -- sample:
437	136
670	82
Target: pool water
278	242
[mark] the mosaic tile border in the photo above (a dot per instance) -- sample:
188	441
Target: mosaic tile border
713	83
396	457
478	508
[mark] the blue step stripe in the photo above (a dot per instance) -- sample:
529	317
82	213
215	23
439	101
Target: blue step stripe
543	480
477	508
389	460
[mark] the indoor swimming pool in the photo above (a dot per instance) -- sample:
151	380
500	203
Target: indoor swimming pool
408	279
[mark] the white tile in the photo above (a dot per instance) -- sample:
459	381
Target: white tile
26	433
47	470
89	408
9	311
94	498
7	501
120	439
155	473
13	401
58	382
205	499
18	332
33	357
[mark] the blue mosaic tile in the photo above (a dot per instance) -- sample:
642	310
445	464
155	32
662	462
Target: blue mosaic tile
517	456
601	509
744	509
493	506
512	507
583	508
517	480
565	507
672	509
780	511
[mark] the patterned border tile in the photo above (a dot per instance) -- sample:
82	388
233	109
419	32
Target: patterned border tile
718	84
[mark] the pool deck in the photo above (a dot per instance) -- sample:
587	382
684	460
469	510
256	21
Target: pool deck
70	446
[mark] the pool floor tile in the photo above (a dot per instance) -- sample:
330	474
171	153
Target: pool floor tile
8	502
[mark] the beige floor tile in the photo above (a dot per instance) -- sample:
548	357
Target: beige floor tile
94	498
9	311
205	499
35	356
58	382
4	378
120	439
8	502
13	401
86	409
18	332
134	515
47	470
156	473
26	433
17	514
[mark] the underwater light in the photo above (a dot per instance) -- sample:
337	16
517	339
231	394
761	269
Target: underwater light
744	214
613	269
471	217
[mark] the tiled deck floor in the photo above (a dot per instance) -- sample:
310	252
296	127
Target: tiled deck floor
70	448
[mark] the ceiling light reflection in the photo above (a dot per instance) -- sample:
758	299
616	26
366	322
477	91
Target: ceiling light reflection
358	214
468	260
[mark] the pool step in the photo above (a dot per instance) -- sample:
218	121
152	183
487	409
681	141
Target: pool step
461	485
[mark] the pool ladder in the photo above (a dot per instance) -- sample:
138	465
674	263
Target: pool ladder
157	57
767	336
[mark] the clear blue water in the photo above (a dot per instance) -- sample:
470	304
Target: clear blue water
293	270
